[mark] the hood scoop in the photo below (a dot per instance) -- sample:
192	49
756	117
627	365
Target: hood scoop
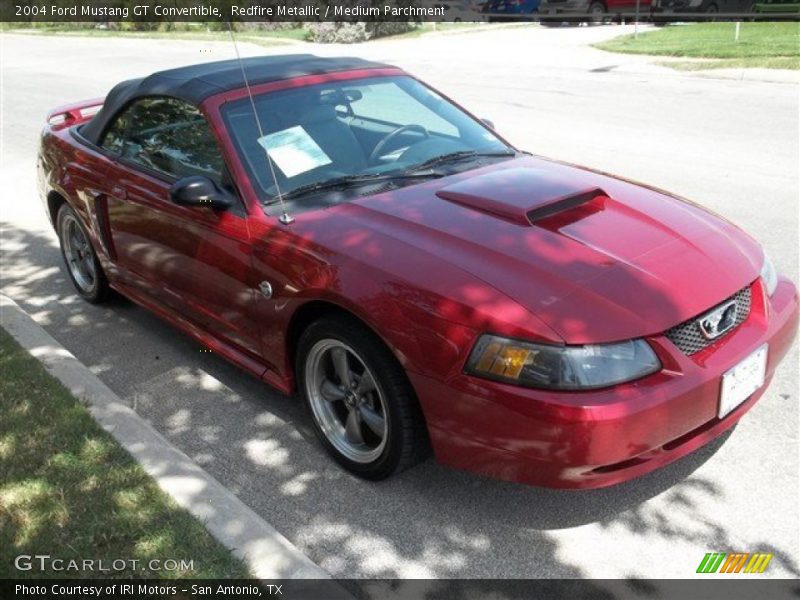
522	195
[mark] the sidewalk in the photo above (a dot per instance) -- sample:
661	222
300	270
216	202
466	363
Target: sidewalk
267	554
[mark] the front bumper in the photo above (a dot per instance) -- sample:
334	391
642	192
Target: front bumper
600	438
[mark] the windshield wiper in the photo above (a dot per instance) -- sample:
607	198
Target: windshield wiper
352	180
454	156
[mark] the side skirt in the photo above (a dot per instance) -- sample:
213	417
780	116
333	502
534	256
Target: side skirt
225	350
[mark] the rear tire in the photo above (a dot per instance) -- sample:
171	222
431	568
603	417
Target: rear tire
362	406
597	13
83	266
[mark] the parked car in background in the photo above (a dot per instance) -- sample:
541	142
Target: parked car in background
458	11
592	11
665	9
498	9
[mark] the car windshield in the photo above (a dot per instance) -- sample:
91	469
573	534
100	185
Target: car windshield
355	128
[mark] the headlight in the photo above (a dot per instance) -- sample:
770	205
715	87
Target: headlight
769	276
561	367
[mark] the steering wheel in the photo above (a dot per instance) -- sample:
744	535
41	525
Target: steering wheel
376	152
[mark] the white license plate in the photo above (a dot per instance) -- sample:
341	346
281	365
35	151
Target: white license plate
742	381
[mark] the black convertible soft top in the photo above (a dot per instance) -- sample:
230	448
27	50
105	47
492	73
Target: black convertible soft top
195	83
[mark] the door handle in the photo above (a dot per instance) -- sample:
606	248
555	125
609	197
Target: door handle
119	192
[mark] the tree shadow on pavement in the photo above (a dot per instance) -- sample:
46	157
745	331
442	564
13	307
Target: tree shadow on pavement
427	522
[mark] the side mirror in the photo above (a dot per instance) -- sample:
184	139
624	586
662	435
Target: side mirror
488	123
197	190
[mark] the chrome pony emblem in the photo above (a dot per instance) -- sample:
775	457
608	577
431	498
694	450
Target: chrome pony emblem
716	322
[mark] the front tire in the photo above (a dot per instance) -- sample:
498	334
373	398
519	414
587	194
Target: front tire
362	406
83	266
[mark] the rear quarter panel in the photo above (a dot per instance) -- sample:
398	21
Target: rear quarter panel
70	170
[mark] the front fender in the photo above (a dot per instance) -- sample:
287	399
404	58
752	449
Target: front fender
428	312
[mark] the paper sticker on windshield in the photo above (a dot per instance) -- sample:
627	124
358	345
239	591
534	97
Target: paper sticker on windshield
294	151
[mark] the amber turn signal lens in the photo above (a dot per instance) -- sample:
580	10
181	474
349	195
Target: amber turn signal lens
561	367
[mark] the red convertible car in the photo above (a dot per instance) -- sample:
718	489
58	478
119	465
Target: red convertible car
341	230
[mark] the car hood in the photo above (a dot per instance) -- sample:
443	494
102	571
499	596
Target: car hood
595	258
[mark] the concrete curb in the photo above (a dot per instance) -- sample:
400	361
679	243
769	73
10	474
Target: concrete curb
267	554
753	74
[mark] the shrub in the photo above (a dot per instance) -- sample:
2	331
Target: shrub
383	28
350	33
337	33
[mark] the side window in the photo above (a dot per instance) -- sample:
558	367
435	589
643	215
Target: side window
168	136
114	139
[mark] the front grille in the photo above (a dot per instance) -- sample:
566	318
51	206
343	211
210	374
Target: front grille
688	337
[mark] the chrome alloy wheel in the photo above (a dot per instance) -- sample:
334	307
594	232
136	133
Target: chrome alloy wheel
78	252
348	405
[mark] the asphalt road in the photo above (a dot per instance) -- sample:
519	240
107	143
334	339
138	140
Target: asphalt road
729	144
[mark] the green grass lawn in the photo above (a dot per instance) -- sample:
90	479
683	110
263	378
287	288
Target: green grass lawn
67	488
771	45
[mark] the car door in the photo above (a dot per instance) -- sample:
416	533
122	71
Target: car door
193	261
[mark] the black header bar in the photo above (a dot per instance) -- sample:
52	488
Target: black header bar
104	11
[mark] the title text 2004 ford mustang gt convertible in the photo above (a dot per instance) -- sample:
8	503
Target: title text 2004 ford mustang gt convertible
337	227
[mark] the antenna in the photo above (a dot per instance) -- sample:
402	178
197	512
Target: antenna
285	217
